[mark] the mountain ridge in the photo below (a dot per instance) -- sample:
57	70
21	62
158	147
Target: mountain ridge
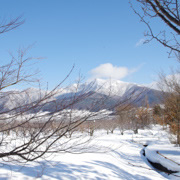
111	90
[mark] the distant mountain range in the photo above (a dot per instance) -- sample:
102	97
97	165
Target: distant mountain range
94	96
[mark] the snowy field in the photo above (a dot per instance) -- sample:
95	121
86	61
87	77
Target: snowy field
118	157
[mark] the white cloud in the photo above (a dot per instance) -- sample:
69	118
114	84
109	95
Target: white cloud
140	42
109	71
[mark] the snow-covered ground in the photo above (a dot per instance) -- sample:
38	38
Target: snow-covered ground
118	157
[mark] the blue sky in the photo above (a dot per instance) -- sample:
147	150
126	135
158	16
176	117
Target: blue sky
95	35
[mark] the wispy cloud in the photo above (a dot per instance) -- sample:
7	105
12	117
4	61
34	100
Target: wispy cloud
140	42
110	71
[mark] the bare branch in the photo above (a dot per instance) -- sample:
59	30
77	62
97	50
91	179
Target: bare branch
6	25
168	12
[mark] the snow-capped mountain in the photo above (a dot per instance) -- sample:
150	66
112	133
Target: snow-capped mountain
84	94
110	87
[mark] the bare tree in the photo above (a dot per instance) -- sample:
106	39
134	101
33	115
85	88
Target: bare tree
109	125
166	12
158	115
133	117
170	86
125	117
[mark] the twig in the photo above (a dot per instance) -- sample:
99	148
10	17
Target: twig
167	158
